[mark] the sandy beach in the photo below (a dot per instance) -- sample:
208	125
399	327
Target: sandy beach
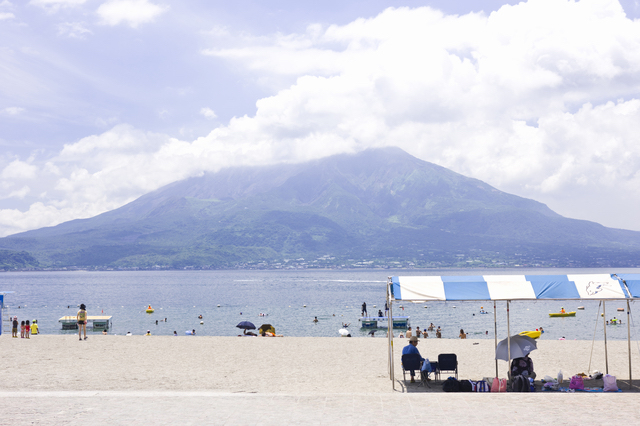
268	365
54	368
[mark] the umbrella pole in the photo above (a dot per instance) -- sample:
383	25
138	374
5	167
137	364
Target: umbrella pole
508	343
495	334
604	319
629	344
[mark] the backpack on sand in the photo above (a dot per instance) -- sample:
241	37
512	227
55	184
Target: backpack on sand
451	385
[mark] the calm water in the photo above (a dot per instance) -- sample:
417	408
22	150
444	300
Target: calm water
333	296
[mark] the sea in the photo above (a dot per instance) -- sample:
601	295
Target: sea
290	301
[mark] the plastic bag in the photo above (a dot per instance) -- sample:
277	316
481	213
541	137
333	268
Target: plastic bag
610	384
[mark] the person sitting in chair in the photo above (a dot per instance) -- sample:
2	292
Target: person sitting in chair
411	348
522	366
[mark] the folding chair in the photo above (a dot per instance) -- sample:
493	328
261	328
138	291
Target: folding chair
410	362
448	362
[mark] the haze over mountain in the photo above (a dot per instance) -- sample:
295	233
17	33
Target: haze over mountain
380	207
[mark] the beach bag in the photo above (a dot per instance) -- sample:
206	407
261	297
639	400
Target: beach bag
451	385
466	386
610	384
576	383
516	384
499	385
482	386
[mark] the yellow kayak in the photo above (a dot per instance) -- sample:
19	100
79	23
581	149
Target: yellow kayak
533	334
150	310
566	314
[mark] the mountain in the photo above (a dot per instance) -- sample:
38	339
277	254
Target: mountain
380	207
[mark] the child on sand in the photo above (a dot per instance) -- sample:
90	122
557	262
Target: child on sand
22	329
27	330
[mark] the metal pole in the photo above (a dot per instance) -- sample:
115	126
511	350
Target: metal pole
629	345
390	334
604	319
495	334
508	343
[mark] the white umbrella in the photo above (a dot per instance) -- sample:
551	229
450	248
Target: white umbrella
343	331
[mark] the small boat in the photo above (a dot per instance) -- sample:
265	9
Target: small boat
150	310
533	334
620	309
565	314
581	308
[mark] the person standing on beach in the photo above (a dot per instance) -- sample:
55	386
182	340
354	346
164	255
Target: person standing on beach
81	317
34	327
22	329
27	330
364	309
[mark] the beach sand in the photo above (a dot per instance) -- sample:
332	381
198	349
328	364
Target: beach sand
291	380
300	365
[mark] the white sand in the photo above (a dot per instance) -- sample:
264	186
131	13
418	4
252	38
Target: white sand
288	365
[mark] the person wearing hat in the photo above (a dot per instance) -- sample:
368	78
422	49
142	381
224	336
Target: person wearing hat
34	327
411	348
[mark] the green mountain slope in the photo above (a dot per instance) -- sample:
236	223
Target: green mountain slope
380	205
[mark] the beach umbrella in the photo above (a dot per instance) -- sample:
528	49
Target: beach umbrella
520	346
247	325
267	327
343	331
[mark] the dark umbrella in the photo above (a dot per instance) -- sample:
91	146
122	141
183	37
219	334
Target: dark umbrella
372	332
247	325
520	346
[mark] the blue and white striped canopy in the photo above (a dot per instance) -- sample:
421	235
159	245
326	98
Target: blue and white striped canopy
515	287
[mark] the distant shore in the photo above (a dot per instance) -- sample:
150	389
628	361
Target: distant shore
288	365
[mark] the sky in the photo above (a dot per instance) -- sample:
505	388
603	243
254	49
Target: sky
102	101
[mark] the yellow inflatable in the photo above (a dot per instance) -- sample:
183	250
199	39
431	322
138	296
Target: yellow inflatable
150	310
532	334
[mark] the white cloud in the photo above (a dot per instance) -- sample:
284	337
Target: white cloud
19	170
208	113
13	110
73	30
19	193
6	15
539	99
130	12
55	5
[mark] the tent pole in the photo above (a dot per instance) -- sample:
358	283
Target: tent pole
604	319
629	345
508	342
390	334
495	334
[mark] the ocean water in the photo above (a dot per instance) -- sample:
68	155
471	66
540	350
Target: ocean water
289	299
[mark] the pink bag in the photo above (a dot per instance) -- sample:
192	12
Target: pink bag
576	383
610	384
499	385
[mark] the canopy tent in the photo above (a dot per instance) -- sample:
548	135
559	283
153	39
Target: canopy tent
509	288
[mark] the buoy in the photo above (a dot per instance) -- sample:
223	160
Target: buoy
304	306
201	322
218	306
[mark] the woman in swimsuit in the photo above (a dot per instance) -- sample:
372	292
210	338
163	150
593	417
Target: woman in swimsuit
82	321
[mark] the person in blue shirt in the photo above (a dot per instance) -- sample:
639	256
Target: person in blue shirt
411	348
